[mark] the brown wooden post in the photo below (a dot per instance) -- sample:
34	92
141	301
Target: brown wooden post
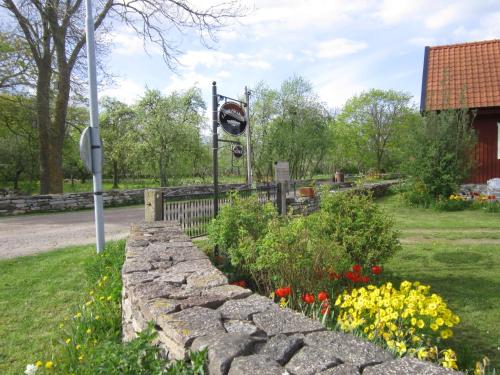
153	205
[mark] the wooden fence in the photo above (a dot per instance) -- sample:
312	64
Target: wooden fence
194	213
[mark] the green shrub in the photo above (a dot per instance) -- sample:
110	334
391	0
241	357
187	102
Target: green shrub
301	252
242	218
438	155
356	223
451	204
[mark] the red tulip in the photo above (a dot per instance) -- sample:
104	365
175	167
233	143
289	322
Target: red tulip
364	279
283	292
376	270
356	268
322	296
308	298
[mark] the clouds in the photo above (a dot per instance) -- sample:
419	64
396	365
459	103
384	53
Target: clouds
342	47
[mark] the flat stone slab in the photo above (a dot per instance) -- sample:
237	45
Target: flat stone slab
311	360
274	321
344	369
348	348
222	349
255	364
408	366
240	326
282	347
186	325
243	309
214	297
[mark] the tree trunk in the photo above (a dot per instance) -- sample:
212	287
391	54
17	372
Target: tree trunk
43	122
163	173
115	174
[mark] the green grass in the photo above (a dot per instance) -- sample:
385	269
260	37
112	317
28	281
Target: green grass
36	294
466	275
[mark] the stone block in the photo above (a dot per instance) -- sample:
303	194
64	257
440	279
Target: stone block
348	348
240	326
281	348
184	326
244	309
275	321
255	364
222	349
408	366
344	369
311	360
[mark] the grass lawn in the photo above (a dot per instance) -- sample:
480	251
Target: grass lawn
458	254
36	294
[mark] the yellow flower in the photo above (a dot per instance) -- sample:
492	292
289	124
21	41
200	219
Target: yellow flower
78	315
80	358
434	326
91	293
440	321
97	317
61	325
104	278
446	333
68	340
109	298
38	363
283	302
78	347
49	364
420	323
89	331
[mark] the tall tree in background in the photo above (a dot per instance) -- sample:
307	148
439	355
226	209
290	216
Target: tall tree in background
55	34
373	118
118	126
170	127
15	66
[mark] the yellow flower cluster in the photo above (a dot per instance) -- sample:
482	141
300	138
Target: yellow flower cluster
456	197
407	319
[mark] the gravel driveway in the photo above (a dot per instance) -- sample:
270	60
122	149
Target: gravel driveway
30	234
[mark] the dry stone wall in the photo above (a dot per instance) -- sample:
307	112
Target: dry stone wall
169	281
16	205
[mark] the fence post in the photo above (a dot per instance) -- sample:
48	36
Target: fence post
153	205
281	198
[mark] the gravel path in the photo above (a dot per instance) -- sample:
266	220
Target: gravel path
31	234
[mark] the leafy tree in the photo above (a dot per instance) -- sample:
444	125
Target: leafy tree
371	122
18	146
118	127
439	155
170	127
291	125
55	34
14	64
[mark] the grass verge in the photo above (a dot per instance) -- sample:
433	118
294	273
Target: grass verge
465	274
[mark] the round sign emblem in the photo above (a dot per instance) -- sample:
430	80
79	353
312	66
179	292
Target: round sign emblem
238	151
232	118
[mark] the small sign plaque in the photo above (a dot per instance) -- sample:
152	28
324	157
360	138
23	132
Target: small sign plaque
281	171
238	151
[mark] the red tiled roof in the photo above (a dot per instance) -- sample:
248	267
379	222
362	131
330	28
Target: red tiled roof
461	75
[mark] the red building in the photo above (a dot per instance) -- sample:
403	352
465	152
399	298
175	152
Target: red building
468	75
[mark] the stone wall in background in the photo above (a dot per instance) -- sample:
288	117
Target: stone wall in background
16	205
169	281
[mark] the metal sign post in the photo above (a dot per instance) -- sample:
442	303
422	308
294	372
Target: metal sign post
215	147
95	139
249	139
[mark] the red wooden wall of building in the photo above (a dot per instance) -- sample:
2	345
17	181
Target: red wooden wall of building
486	152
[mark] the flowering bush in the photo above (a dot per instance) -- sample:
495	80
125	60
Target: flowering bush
409	320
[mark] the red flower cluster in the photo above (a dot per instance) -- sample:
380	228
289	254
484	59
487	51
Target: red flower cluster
355	275
283	292
308	298
322	296
241	283
376	270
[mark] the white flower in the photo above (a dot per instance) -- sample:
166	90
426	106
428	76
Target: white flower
30	370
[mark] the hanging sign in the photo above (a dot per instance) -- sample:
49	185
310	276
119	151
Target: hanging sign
232	118
238	151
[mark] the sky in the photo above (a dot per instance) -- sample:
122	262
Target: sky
341	47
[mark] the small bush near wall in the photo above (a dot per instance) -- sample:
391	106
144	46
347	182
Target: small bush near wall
305	253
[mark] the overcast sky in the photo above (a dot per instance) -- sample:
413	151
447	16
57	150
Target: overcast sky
341	47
